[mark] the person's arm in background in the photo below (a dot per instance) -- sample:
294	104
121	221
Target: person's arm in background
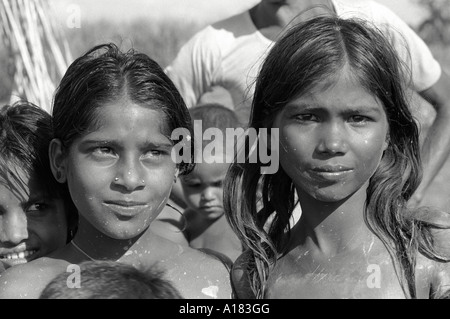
432	83
192	71
436	146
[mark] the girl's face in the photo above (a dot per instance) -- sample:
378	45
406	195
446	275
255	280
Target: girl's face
332	139
32	224
120	175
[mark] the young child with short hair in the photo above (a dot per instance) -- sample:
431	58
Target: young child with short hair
206	223
36	214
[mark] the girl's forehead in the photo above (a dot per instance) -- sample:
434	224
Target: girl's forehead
346	75
131	113
128	123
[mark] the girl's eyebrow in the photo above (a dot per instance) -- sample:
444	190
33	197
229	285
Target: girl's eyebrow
190	179
116	144
364	109
38	194
317	107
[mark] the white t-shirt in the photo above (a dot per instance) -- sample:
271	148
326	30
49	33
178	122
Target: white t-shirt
230	52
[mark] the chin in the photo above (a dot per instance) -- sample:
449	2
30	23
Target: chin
125	233
330	197
210	213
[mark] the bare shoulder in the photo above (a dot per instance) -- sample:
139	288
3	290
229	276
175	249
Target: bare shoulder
440	286
207	262
432	278
240	277
199	275
433	272
28	280
437	223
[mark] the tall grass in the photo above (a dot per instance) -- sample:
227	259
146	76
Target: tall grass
35	47
160	40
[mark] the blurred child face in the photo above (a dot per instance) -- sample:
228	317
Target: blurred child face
32	225
120	174
203	189
332	139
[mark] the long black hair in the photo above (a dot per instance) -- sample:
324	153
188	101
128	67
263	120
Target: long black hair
308	53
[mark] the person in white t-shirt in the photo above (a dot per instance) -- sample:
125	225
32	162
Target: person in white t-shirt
229	53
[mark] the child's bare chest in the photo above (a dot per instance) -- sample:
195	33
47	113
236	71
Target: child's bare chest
340	277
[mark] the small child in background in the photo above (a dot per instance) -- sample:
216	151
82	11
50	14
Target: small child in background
35	218
206	224
107	279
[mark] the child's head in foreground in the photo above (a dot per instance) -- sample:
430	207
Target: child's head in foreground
110	280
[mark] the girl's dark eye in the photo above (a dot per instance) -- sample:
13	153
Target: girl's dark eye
155	155
217	184
306	117
358	119
103	150
37	208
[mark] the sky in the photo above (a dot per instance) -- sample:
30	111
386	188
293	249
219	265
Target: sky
201	11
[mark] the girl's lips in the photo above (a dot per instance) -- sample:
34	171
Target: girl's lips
331	168
125	203
126	209
211	208
330	175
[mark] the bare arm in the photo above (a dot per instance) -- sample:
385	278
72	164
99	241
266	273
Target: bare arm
436	146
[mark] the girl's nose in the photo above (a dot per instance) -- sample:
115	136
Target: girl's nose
130	175
208	194
333	139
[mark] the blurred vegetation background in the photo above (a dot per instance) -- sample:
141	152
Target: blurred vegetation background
162	40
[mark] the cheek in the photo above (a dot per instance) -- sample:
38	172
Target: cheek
161	179
52	231
79	186
192	197
87	179
295	151
370	152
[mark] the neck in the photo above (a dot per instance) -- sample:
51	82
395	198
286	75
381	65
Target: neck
96	245
333	227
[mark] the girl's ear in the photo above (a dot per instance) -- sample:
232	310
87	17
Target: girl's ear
57	160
